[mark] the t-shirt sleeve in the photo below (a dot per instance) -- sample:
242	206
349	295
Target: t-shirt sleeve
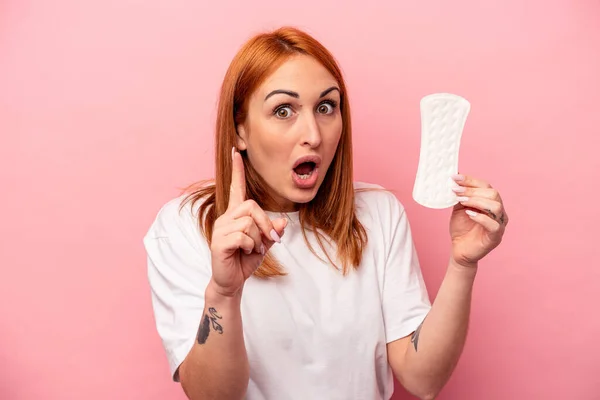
179	270
405	297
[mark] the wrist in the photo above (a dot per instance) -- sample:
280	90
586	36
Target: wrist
215	293
465	269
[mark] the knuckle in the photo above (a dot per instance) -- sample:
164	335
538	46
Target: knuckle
238	238
248	222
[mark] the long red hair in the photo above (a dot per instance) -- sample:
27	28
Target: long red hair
331	214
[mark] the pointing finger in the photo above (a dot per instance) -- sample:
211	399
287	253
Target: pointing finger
237	190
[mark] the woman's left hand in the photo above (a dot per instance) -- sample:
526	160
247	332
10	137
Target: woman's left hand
478	221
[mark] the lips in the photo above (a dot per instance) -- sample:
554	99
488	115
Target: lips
306	172
316	160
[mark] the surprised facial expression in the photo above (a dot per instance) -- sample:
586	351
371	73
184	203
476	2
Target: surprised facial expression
292	129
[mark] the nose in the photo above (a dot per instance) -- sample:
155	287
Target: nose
311	132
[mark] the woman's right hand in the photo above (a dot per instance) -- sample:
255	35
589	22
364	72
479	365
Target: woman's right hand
241	236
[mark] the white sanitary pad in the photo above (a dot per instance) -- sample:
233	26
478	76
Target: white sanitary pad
443	117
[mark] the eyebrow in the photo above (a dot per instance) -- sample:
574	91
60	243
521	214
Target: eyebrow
297	96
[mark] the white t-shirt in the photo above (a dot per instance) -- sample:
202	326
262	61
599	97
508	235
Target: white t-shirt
313	334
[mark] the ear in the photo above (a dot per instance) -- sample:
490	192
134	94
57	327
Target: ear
241	137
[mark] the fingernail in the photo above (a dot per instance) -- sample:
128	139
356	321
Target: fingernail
262	249
285	222
458	177
275	236
459	189
248	251
462	198
232	153
471	213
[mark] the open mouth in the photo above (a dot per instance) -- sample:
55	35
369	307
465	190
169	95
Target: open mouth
305	169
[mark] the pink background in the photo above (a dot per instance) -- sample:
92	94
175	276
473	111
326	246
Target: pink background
107	108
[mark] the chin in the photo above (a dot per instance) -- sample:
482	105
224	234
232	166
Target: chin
305	185
302	196
297	191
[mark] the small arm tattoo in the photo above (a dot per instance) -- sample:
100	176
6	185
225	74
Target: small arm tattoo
491	213
415	336
495	217
204	328
213	318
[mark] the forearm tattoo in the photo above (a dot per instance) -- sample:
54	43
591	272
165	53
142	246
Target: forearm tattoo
204	328
415	336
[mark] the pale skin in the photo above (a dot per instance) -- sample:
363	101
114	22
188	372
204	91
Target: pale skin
217	365
302	117
424	361
294	113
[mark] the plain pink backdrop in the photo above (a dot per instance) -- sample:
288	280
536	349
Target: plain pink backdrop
107	109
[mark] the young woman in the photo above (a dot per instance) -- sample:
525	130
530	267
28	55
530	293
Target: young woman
285	279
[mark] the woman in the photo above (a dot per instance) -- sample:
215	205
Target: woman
283	278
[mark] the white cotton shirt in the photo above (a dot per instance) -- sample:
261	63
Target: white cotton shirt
313	334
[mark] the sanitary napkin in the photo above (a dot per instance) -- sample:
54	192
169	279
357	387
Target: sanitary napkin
443	117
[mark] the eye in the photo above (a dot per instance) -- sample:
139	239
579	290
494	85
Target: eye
283	112
326	107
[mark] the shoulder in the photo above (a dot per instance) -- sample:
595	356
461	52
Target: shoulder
377	201
178	221
174	214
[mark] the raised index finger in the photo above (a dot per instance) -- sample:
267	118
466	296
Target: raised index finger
237	190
